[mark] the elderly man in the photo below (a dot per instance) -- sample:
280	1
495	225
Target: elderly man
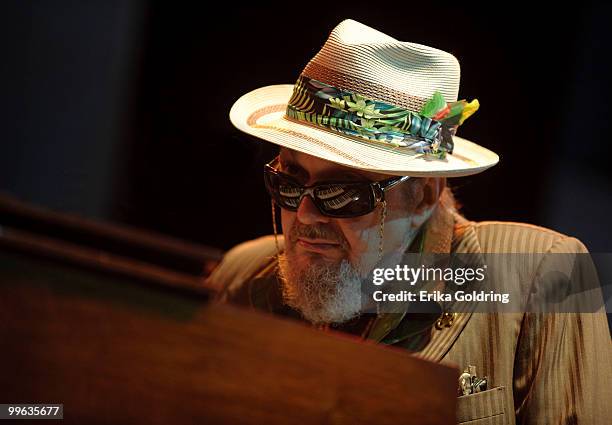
368	138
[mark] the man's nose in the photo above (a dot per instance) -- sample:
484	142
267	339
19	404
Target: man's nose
308	213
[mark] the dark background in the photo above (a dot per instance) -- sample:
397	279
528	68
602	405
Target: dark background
118	110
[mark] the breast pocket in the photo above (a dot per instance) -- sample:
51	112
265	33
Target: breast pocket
483	408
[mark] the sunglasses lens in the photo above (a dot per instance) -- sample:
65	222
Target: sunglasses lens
343	200
285	192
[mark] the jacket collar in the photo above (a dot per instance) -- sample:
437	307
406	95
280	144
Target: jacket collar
445	232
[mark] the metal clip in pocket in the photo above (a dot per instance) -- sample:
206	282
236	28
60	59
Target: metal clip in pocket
469	383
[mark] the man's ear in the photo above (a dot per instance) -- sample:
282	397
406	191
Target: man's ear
432	189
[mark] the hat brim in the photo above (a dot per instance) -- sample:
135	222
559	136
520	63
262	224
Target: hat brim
261	113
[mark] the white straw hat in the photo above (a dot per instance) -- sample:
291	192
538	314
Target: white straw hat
370	102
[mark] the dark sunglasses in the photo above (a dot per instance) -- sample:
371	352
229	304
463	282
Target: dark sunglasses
333	199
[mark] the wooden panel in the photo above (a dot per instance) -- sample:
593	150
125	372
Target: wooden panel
90	258
117	351
113	238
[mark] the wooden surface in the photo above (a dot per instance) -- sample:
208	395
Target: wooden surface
113	238
116	351
84	257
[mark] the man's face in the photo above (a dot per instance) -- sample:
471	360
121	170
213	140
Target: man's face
323	253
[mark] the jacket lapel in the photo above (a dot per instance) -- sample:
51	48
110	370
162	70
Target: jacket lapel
443	337
445	232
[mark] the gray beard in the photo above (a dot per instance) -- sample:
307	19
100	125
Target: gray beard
325	293
331	292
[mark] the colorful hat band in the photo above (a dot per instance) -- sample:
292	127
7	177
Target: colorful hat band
428	132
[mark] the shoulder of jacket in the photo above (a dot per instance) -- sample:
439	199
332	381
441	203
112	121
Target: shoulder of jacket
243	261
513	237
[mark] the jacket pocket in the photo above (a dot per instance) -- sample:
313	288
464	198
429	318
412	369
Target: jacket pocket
483	408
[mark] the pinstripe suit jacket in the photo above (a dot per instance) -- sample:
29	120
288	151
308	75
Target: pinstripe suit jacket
553	368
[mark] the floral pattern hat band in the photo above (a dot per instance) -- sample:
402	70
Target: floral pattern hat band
370	102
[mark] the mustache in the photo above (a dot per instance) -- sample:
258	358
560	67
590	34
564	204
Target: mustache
316	232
